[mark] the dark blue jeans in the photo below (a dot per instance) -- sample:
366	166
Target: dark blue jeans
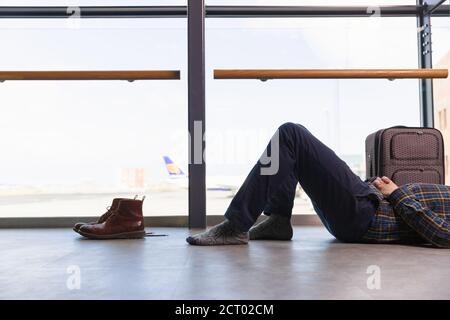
340	198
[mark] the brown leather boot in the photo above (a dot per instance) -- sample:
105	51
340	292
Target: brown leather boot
126	222
103	217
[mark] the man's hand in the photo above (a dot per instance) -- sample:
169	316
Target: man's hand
385	185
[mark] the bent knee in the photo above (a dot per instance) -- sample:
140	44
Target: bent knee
290	126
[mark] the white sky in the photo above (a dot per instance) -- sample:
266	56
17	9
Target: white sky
68	132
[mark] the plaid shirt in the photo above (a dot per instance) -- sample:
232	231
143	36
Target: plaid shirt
413	213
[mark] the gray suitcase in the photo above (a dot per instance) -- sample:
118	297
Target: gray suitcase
406	155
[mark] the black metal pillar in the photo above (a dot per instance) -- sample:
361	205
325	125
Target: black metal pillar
425	61
196	113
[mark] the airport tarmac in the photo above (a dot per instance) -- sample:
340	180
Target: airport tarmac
167	203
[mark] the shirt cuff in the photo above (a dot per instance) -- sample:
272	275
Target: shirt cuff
399	195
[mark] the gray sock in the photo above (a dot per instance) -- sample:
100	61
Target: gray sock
275	227
221	234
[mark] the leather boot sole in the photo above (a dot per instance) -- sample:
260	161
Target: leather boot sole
124	235
76	229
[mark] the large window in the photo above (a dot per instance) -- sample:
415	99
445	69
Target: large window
441	59
69	147
243	114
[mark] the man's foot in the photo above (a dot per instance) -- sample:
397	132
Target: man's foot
275	227
221	234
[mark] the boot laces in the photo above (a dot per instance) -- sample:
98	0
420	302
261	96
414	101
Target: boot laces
113	213
106	214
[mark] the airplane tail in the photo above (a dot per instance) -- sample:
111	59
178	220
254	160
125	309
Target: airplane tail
173	169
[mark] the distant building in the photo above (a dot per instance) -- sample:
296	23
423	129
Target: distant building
134	178
442	110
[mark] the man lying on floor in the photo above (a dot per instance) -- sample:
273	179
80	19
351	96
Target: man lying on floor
352	210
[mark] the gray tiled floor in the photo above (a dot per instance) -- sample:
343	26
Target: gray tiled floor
34	265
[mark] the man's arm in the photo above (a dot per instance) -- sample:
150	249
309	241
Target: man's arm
424	221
